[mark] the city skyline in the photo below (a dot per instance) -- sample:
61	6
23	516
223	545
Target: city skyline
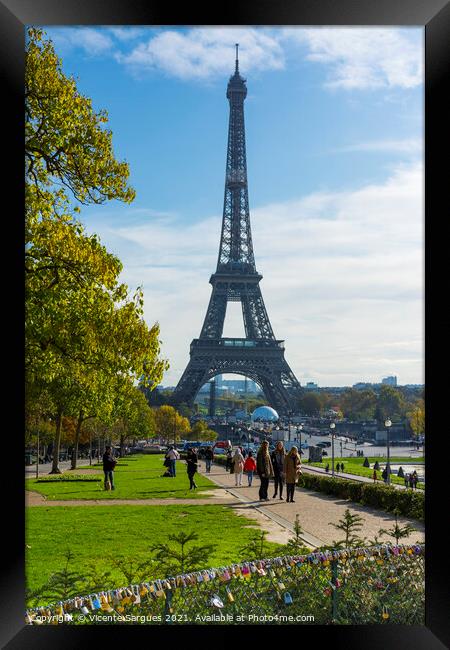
335	183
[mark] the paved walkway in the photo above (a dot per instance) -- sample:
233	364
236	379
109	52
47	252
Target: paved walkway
316	511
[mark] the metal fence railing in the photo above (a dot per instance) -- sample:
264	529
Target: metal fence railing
380	584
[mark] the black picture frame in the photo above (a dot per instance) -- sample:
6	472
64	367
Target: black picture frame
434	16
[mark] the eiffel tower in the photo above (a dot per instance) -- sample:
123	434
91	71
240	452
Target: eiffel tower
259	356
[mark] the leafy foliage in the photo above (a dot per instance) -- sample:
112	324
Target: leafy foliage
177	558
296	545
349	524
86	338
410	503
398	532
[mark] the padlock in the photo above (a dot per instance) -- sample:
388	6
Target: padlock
287	598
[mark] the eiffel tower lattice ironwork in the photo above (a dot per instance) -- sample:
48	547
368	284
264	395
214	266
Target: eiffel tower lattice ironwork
259	356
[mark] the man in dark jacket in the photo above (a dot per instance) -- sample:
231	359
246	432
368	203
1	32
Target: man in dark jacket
209	457
109	464
192	466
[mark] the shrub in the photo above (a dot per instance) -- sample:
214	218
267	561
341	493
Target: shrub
69	478
376	495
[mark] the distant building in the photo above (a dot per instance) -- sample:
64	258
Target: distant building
362	385
389	381
239	385
310	385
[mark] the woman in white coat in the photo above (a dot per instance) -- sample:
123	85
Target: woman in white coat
238	463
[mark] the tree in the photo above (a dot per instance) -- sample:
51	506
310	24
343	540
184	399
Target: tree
79	319
310	403
358	404
416	418
65	142
178	558
296	545
201	432
170	425
132	416
257	548
398	532
390	404
349	524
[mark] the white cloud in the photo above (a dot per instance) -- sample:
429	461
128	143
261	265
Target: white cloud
343	279
405	146
360	58
92	41
355	57
127	33
203	52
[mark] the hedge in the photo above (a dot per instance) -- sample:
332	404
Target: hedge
376	495
69	478
408	502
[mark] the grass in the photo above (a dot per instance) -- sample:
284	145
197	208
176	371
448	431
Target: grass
354	465
135	477
97	533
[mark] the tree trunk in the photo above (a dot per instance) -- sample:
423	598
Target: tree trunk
77	439
122	445
56	443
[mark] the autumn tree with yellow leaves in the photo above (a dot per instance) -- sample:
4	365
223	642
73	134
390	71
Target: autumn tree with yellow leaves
86	338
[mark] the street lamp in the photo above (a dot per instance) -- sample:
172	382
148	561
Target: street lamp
388	424
332	427
37	460
299	432
289	425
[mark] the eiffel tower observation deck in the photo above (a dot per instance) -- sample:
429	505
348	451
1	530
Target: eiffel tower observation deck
259	356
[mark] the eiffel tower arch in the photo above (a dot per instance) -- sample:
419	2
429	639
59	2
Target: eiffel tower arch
259	356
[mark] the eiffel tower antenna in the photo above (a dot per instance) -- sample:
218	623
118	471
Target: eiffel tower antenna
259	356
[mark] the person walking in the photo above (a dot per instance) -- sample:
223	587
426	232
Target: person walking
337	467
172	456
374	475
406	479
327	468
238	466
250	467
209	457
292	471
264	469
109	463
415	479
192	466
277	457
229	462
384	475
411	481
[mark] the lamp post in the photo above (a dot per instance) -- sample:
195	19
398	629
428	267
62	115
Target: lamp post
299	431
388	424
332	427
37	459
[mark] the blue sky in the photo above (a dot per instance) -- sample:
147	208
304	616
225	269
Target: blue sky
334	126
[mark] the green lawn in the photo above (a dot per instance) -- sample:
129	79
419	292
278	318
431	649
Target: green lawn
135	477
96	533
354	465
